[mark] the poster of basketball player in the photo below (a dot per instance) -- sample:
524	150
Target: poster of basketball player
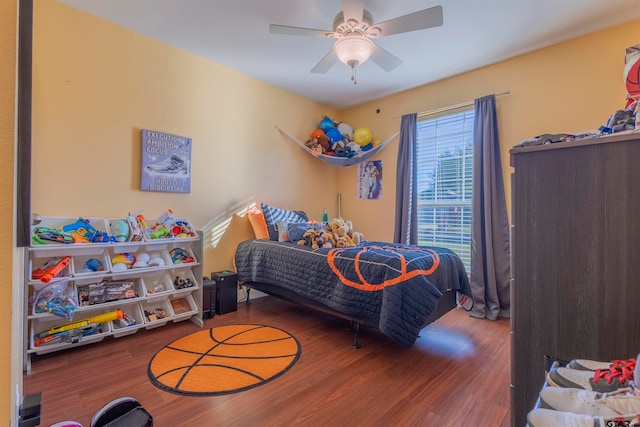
370	180
166	162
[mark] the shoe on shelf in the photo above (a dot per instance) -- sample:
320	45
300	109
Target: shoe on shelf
593	365
587	402
600	380
549	418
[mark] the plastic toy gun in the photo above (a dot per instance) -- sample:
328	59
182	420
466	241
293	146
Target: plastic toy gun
81	230
44	235
51	269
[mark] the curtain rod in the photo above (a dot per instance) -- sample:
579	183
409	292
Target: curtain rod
451	107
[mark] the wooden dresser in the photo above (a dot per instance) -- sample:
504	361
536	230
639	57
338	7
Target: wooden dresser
575	290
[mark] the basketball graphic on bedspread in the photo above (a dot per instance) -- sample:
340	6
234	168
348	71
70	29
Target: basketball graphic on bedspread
356	279
224	359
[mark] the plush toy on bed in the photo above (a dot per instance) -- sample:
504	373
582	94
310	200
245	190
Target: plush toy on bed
343	234
356	236
315	238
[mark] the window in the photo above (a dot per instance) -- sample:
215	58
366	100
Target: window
444	174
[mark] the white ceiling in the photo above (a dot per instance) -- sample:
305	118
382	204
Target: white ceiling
235	33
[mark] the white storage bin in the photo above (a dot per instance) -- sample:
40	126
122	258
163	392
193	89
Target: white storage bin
142	259
160	233
69	224
184	282
181	228
84	265
39	292
83	333
37	264
131	323
181	255
183	307
157	284
108	293
153	309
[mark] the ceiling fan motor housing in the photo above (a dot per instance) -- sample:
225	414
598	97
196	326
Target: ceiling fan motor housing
362	28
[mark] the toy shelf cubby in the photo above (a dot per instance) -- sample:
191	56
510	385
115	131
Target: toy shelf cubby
146	294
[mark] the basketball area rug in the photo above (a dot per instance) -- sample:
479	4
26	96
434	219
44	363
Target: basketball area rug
222	360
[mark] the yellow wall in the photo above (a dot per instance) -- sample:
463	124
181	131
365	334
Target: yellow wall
566	88
96	85
8	25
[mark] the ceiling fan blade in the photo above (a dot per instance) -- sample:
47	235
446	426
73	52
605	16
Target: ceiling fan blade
384	59
352	9
420	20
325	63
297	31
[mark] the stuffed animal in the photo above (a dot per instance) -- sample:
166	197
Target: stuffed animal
315	238
356	236
339	229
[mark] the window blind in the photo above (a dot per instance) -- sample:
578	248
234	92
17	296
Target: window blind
444	182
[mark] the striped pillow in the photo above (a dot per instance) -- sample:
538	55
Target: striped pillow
273	215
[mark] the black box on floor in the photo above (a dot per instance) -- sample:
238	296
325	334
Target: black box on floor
226	291
208	298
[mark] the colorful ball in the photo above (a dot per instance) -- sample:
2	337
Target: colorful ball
346	130
362	136
93	265
632	76
316	133
120	230
326	124
124	258
334	135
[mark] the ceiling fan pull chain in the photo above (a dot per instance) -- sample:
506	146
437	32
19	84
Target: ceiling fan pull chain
353	75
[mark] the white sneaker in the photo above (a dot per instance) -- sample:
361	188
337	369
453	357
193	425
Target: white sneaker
594	365
550	418
587	402
602	380
599	380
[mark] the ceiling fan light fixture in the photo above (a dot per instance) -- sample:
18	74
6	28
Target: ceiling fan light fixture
353	50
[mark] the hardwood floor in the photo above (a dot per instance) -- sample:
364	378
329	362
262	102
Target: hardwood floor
457	374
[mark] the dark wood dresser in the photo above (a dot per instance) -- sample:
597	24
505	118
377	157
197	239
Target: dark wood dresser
575	290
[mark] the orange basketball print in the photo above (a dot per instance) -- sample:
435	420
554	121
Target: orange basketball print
632	76
224	359
405	273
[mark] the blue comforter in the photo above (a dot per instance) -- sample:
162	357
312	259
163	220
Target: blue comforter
396	285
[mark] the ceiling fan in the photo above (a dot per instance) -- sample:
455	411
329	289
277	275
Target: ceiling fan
353	29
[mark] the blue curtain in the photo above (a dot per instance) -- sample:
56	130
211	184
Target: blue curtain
490	247
406	226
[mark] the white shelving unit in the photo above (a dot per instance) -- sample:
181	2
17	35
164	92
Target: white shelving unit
154	287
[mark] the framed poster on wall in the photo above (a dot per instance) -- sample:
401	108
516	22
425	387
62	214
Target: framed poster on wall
166	162
370	180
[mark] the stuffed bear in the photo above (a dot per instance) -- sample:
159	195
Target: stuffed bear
356	236
339	228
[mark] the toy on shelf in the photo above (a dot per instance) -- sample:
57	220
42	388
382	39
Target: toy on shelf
44	235
83	232
76	329
57	298
51	269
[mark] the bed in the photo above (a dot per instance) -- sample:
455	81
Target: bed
396	289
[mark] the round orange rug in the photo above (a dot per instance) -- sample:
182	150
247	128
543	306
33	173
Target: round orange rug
224	359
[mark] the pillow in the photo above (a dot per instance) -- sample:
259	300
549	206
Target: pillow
296	230
273	215
256	218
